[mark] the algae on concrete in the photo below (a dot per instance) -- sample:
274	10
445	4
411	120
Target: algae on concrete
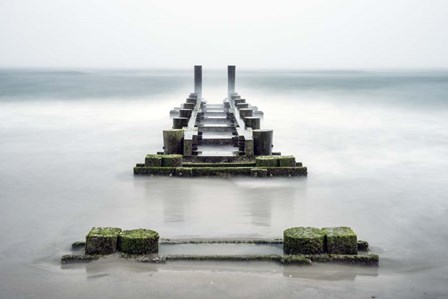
138	241
259	172
167	171
286	161
172	160
287	171
340	240
303	240
184	171
266	161
221	171
153	160
367	259
102	240
78	258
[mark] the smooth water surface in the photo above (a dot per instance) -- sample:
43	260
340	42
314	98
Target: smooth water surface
375	144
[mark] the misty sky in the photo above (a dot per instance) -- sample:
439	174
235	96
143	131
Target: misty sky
339	34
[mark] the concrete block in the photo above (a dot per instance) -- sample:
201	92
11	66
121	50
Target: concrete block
153	160
266	161
184	171
340	240
303	240
259	172
287	171
102	240
171	160
286	161
164	171
138	241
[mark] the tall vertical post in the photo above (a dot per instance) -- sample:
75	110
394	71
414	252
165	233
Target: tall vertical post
198	80
230	79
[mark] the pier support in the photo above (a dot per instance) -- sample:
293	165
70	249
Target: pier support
180	122
263	142
198	80
246	112
252	122
231	79
173	141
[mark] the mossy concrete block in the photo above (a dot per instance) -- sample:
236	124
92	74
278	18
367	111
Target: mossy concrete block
286	161
153	161
249	151
259	172
303	240
286	171
184	171
266	161
166	171
340	240
78	258
365	259
218	164
138	241
102	240
172	160
222	171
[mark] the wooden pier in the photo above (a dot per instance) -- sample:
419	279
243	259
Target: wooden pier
218	139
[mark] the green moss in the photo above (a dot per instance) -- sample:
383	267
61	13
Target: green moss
102	240
367	259
184	171
218	164
138	241
259	172
266	161
165	171
303	240
78	258
153	161
221	171
286	161
171	160
340	240
287	171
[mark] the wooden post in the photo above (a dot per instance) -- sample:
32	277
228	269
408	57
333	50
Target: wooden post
198	80
231	69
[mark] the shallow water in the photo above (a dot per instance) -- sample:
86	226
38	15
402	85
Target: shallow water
375	144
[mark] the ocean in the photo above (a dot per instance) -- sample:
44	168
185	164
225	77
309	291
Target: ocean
375	144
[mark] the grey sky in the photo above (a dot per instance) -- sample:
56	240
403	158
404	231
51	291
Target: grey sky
251	34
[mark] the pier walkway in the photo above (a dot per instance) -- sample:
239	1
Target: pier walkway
218	135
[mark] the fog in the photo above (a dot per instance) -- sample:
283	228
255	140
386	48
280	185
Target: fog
252	34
